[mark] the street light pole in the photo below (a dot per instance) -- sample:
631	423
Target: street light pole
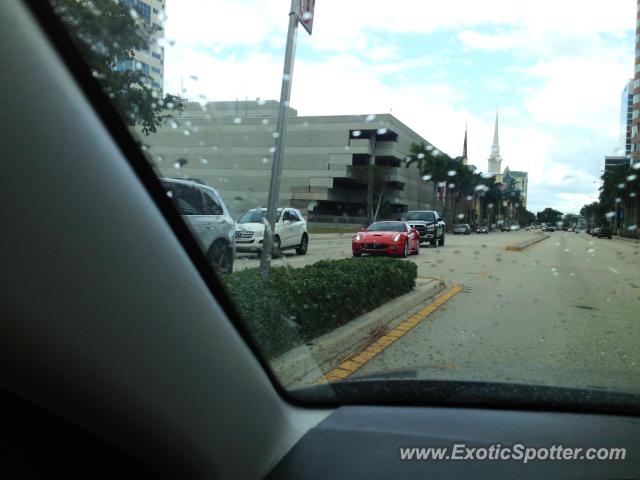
278	155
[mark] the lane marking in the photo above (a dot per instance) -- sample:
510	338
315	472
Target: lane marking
360	359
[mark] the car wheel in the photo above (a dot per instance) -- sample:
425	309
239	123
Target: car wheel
221	258
405	250
275	250
355	254
304	243
441	241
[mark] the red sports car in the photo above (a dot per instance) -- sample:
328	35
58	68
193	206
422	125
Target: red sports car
393	238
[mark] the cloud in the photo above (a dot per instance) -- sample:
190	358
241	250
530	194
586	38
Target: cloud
556	68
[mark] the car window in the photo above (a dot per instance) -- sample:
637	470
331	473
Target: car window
188	200
211	205
293	216
490	117
421	216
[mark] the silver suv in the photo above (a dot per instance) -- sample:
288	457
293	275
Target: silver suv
207	216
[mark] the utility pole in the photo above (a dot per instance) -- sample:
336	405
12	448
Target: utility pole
301	10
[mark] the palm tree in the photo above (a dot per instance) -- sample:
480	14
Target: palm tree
431	165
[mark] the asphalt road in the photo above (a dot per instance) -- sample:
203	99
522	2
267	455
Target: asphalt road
565	311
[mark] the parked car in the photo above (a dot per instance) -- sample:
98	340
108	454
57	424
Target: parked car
391	237
514	228
461	229
605	232
429	225
482	229
505	228
290	233
595	232
206	214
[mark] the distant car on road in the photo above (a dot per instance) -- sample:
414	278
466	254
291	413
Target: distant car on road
207	216
389	237
482	229
429	225
505	228
291	231
461	229
514	228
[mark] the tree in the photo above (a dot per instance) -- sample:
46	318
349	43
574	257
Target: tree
430	162
570	220
107	33
374	177
549	215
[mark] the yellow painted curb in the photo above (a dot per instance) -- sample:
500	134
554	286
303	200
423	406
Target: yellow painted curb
357	361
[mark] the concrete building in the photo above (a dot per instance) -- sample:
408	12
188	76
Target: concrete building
150	59
611	161
522	182
626	116
330	162
635	108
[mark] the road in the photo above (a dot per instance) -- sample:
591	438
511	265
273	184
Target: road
565	311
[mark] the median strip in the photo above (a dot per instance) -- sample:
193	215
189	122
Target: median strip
527	244
354	363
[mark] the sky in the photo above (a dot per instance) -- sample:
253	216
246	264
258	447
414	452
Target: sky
554	68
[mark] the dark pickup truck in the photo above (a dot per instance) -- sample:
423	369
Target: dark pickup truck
429	225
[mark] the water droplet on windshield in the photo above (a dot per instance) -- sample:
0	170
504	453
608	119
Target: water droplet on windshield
265	160
420	156
186	133
426	178
237	120
610	215
452	173
356	133
204	161
370	118
272	149
381	131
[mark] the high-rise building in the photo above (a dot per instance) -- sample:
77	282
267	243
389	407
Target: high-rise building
495	160
626	116
635	111
149	59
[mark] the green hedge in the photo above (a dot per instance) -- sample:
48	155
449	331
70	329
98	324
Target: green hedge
295	305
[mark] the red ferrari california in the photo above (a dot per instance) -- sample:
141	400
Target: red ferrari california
392	238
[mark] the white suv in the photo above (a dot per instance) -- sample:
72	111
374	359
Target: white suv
208	218
291	231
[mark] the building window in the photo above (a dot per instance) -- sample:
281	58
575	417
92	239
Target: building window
143	8
156	55
156	85
155	70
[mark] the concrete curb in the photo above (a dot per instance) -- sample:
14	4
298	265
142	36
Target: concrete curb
527	244
308	363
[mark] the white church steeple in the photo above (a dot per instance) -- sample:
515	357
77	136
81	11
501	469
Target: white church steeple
495	160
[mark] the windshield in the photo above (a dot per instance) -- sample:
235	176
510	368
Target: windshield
387	227
505	115
422	216
256	216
